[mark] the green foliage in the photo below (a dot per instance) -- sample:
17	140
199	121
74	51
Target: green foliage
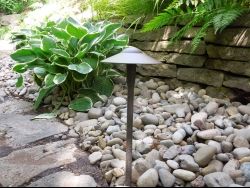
209	13
67	55
13	6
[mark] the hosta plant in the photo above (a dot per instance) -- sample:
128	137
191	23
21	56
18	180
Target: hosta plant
66	56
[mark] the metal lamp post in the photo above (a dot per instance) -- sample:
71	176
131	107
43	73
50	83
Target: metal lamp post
130	56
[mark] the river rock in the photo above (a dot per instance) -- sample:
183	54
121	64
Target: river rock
245	167
94	157
95	113
187	162
204	155
118	101
239	153
171	153
178	136
184	175
148	179
211	108
218	179
240	142
244	109
167	179
208	134
119	154
199	119
150	119
213	166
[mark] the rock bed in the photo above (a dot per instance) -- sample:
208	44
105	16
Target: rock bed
182	137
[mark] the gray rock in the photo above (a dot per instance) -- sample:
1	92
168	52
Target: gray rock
198	182
231	166
64	179
95	157
211	108
244	133
213	166
30	162
116	163
141	166
188	149
184	175
113	129
119	154
118	101
239	153
150	119
156	98
81	116
108	114
187	162
227	147
143	147
167	179
173	108
240	142
218	179
171	153
173	164
151	84
215	144
95	113
152	156
178	136
199	119
244	109
148	179
223	157
160	164
245	167
122	135
139	135
204	155
115	141
208	134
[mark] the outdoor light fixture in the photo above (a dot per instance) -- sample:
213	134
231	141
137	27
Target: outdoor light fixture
130	56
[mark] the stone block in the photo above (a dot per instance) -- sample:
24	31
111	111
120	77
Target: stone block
237	82
199	75
167	46
230	37
230	53
162	70
157	35
160	56
242	21
237	67
185	59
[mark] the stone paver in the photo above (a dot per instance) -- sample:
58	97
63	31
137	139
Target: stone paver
65	179
21	130
22	165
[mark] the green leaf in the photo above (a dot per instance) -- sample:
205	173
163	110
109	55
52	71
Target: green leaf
92	94
20	67
61	62
38	80
49	80
111	29
60	52
24	55
111	73
81	104
42	94
82	68
93	62
78	77
103	85
40	71
60	33
48	43
83	50
19	82
60	78
76	31
45	116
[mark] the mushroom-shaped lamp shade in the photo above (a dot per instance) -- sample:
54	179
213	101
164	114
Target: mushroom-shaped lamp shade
131	55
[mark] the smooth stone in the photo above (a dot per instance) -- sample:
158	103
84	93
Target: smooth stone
95	157
148	179
117	172
160	164
213	166
231	165
244	109
204	155
65	179
244	133
150	119
108	114
188	149
143	148
211	108
227	147
187	162
119	154
141	165
107	157
166	178
180	112
184	175
223	157
215	144
245	167
152	157
116	163
198	182
232	110
173	164
208	134
95	113
218	179
199	119
115	141
239	153
178	136
118	101
112	129
171	153
139	135
240	142
156	98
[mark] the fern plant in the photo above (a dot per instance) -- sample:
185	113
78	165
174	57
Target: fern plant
209	13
